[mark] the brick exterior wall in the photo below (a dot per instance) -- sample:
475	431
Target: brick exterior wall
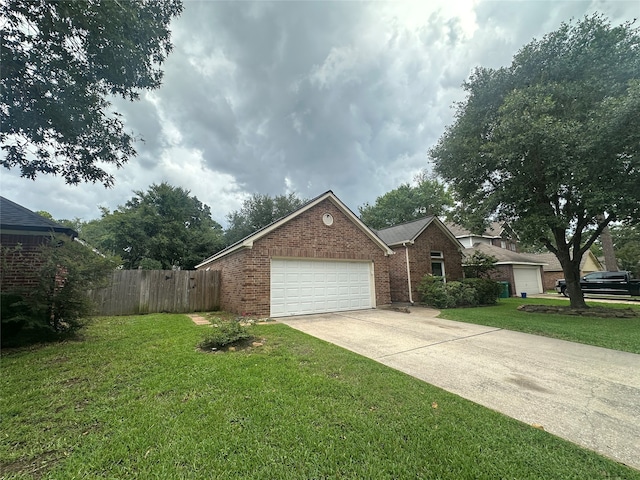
246	274
549	279
432	239
504	273
20	262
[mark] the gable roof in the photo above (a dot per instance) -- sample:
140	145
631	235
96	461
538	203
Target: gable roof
408	232
249	240
504	256
493	230
553	264
15	218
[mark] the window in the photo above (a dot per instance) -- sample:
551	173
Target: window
437	269
435	254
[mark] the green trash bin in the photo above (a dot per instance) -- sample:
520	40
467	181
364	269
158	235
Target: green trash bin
504	293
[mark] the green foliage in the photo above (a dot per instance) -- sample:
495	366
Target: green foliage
433	292
59	303
162	228
487	291
62	62
479	265
626	244
224	334
259	211
407	202
467	293
552	143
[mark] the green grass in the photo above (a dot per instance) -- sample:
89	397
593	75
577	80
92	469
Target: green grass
135	399
615	333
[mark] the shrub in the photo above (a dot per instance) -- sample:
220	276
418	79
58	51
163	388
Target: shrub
66	270
463	294
225	334
433	292
467	293
487	290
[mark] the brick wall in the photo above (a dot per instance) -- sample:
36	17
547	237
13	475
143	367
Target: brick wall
432	239
504	273
246	275
20	261
549	279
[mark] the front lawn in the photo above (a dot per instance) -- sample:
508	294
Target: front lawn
616	333
135	399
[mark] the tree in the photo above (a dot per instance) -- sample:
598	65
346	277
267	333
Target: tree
479	265
259	211
626	244
161	228
62	62
407	202
551	143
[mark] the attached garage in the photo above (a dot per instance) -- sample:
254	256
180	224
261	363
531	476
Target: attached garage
303	286
320	258
527	279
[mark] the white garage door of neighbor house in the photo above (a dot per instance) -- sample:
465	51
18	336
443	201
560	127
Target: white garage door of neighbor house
299	287
527	279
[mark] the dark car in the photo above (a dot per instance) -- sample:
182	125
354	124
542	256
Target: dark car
610	283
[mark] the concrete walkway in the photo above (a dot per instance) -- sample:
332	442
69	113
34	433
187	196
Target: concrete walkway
587	395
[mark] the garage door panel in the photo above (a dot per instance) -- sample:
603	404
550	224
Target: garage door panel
308	286
527	279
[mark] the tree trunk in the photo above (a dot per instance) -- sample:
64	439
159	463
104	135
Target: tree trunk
610	261
571	269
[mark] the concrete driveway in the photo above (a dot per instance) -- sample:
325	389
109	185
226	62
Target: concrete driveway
587	395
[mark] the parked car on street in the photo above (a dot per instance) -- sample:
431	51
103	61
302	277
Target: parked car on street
609	283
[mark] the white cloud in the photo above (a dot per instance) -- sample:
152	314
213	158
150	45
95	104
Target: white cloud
275	97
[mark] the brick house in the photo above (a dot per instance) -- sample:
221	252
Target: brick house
22	233
522	271
421	247
319	258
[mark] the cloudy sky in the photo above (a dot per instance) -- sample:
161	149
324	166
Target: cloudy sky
304	97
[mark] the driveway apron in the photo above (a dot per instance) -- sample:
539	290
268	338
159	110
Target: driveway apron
587	395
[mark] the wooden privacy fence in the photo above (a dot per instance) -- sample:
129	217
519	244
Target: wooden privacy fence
154	291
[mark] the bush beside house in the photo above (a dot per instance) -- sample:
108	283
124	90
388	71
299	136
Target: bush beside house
468	292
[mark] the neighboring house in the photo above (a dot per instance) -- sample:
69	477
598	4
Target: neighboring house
22	233
522	271
319	258
553	269
498	234
421	247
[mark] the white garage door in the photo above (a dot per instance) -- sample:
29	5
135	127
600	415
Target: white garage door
302	286
527	280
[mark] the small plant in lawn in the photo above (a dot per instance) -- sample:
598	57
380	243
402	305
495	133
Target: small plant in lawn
225	334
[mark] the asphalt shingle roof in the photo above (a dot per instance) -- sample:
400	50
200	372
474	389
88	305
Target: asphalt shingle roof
405	232
494	229
17	217
504	255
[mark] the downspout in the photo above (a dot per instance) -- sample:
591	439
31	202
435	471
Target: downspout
406	251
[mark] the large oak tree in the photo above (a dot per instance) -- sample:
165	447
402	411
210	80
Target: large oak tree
62	62
551	143
162	228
